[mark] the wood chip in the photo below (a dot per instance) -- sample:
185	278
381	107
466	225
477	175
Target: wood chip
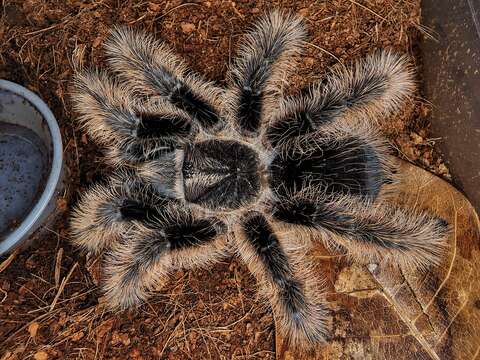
33	329
40	355
187	28
104	328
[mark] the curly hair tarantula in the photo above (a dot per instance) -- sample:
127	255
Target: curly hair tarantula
204	172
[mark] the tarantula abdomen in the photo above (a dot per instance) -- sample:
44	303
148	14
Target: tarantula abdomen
347	165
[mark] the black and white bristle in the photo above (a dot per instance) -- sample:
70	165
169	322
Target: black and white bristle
372	88
370	232
139	131
285	280
201	172
145	236
141	260
152	70
266	56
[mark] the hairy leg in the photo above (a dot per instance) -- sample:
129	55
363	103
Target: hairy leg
285	280
152	70
142	259
133	130
106	211
372	88
266	55
145	236
371	232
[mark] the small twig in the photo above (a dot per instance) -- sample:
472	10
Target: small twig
41	279
369	10
34	295
62	286
235	10
139	19
202	335
175	8
325	51
318	257
239	289
5	295
43	30
77	156
37	319
4	265
172	334
255	354
63	301
58	264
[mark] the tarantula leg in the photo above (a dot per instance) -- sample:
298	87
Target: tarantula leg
137	131
152	248
151	69
265	56
284	279
344	158
374	87
369	232
105	212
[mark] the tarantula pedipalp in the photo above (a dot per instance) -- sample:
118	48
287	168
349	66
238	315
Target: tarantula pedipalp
204	171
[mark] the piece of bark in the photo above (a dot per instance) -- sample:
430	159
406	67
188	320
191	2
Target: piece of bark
385	312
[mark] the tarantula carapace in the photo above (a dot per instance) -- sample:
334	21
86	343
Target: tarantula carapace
204	172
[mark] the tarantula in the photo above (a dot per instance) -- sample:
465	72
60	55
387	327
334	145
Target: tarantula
204	172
